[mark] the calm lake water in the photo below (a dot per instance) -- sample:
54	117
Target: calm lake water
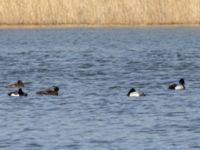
95	68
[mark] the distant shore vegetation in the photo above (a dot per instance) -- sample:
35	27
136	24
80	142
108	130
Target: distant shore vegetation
99	12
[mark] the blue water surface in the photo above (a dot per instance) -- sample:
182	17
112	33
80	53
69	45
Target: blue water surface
95	68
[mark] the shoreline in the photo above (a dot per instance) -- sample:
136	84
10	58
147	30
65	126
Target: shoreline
102	13
94	26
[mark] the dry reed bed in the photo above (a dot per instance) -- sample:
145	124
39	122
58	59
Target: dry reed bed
99	12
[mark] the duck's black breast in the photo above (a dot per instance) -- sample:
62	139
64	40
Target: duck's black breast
24	94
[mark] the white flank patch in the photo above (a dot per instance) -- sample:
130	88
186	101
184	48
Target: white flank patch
13	94
134	94
179	87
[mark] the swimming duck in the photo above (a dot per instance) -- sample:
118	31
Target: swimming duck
18	84
18	93
179	86
50	91
134	93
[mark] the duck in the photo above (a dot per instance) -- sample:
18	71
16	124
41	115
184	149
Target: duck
133	93
17	84
179	86
18	93
50	91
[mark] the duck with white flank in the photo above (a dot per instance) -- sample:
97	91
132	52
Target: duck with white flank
50	91
18	93
179	86
134	93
